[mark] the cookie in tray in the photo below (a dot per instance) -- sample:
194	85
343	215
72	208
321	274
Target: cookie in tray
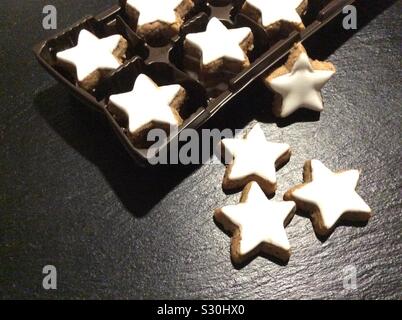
218	49
157	21
148	106
93	58
276	16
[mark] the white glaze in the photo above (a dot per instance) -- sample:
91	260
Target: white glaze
218	42
146	103
91	54
254	155
301	87
273	10
155	10
333	193
260	220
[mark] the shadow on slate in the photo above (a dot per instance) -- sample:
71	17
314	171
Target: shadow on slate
86	131
333	36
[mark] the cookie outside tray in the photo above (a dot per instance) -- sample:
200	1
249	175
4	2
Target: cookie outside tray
219	49
276	17
253	158
298	83
257	225
329	197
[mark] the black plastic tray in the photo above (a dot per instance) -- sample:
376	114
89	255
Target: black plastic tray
163	63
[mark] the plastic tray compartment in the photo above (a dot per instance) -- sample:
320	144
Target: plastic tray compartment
164	64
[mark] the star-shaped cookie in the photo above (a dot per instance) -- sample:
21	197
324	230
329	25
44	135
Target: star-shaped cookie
253	159
220	47
92	56
148	106
257	224
274	15
155	17
298	83
329	197
152	11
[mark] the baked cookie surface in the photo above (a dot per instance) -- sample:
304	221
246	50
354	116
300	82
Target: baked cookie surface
329	197
92	57
156	19
257	225
219	48
148	106
298	83
275	15
253	159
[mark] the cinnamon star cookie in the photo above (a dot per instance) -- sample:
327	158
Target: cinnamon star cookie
253	159
298	83
257	224
146	107
329	197
219	48
92	57
276	15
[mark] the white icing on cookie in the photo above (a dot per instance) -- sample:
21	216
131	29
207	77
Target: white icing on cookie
254	155
301	87
218	42
147	103
91	54
273	11
155	10
333	193
260	220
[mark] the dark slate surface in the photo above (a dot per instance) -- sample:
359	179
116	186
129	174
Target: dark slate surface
71	196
